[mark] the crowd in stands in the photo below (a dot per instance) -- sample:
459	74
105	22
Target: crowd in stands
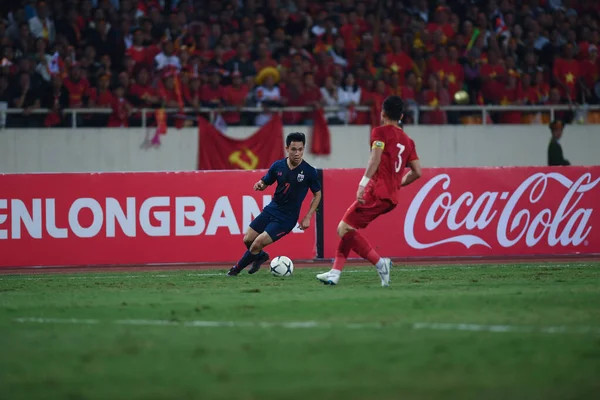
128	54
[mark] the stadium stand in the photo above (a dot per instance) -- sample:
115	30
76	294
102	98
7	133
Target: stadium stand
127	54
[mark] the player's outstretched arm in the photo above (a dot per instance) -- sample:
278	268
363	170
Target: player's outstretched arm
372	167
260	185
413	174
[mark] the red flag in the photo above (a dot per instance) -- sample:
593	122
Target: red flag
321	138
259	151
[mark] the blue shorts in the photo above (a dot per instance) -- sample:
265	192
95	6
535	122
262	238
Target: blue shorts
275	227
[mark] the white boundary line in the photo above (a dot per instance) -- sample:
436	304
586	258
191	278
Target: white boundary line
145	274
321	325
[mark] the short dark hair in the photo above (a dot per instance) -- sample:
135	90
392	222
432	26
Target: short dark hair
295	137
393	108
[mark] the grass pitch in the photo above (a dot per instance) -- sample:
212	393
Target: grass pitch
473	332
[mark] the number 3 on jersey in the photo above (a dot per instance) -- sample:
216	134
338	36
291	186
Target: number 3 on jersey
400	151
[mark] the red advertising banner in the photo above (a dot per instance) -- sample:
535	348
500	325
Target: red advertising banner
462	212
134	218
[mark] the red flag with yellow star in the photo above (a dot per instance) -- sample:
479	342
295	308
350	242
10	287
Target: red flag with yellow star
567	72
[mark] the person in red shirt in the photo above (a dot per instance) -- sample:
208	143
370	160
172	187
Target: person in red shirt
398	60
454	73
436	96
529	94
234	95
101	97
121	110
312	94
493	76
142	92
392	150
437	64
566	74
77	86
137	51
167	92
212	94
441	24
192	95
511	96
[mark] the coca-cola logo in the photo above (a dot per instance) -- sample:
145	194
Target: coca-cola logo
522	214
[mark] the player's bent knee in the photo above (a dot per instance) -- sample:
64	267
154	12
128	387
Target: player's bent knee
248	240
343	228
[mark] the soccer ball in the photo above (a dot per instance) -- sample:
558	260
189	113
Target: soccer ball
282	266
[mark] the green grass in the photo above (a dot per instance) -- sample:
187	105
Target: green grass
383	356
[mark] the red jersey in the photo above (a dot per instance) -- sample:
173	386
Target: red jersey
398	150
102	99
137	54
77	90
493	87
567	72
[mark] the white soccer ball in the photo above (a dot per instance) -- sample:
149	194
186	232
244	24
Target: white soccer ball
282	266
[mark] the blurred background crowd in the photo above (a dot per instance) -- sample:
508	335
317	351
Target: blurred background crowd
127	54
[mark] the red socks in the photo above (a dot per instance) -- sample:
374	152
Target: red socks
343	250
354	241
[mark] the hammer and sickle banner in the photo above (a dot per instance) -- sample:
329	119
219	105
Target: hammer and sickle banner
258	151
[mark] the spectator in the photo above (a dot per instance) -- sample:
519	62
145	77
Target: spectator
512	95
121	110
56	100
241	62
566	74
331	98
41	25
27	99
212	94
267	95
555	152
435	96
235	95
167	58
350	96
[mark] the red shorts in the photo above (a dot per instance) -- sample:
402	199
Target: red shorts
359	216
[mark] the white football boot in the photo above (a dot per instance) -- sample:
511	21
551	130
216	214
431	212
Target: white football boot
329	277
384	272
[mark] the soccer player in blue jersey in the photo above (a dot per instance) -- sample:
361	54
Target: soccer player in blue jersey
294	177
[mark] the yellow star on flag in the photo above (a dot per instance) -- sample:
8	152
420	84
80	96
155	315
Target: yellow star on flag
451	78
395	67
434	102
570	78
504	101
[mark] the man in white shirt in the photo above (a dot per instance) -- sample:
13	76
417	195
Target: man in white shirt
166	58
267	95
41	26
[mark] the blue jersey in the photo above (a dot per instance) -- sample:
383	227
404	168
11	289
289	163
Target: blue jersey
292	186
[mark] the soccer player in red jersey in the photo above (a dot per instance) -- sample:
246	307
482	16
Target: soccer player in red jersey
391	151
